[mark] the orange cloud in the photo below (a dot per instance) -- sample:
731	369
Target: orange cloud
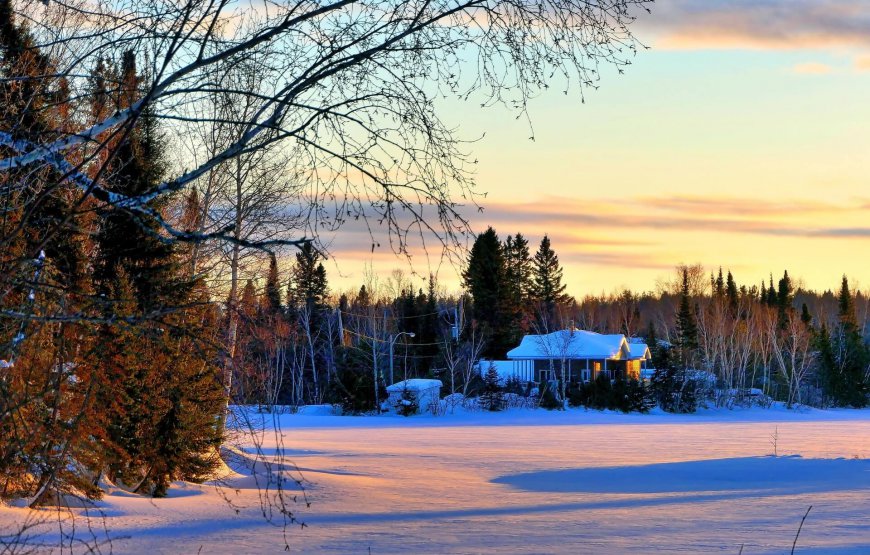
812	68
862	63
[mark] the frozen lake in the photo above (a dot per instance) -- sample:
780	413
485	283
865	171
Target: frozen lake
538	482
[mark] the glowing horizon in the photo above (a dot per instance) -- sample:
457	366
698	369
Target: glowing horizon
737	140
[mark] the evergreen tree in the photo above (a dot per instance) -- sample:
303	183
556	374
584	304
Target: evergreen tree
518	280
844	355
720	285
167	409
806	317
43	241
547	287
772	297
308	285
484	278
273	288
492	396
687	328
731	293
784	297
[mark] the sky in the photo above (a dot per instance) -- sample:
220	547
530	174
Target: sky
738	139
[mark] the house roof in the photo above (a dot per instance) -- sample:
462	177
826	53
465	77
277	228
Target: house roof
576	344
640	350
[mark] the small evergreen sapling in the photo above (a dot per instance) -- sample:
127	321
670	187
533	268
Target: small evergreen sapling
408	404
492	397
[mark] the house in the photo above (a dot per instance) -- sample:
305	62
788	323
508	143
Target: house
583	355
424	392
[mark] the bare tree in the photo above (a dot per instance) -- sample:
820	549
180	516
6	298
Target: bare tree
793	353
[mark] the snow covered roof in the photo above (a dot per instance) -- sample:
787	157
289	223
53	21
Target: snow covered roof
639	350
575	344
414	385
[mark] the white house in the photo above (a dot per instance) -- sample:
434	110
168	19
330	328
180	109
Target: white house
426	392
583	355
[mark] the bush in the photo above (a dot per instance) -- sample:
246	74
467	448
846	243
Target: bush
492	397
549	400
674	391
578	395
514	385
600	394
408	404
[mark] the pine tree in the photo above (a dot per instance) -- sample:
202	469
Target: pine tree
484	278
771	294
731	293
846	366
308	286
492	396
273	291
806	317
170	396
687	329
43	234
547	287
784	297
518	281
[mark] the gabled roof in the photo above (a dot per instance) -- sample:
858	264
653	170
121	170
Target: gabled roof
640	350
575	344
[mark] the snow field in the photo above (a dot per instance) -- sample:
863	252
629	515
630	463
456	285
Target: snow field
531	482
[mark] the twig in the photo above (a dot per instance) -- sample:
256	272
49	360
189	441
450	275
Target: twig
794	543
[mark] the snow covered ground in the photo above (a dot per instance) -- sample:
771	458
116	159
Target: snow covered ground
531	482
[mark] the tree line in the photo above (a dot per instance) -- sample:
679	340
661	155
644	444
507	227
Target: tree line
793	344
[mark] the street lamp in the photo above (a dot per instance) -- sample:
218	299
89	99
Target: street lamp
393	338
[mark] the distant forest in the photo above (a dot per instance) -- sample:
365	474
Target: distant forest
795	345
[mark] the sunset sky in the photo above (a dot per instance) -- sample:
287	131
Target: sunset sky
740	138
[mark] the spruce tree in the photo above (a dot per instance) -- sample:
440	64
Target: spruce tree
43	241
547	287
784	297
806	317
485	280
771	294
731	293
846	367
308	286
168	412
273	288
518	281
492	396
687	329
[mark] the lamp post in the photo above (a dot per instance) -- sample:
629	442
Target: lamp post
393	338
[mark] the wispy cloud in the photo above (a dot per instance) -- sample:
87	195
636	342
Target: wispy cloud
724	215
862	63
621	236
812	68
763	24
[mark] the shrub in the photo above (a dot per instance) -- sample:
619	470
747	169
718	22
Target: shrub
549	400
491	398
408	404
